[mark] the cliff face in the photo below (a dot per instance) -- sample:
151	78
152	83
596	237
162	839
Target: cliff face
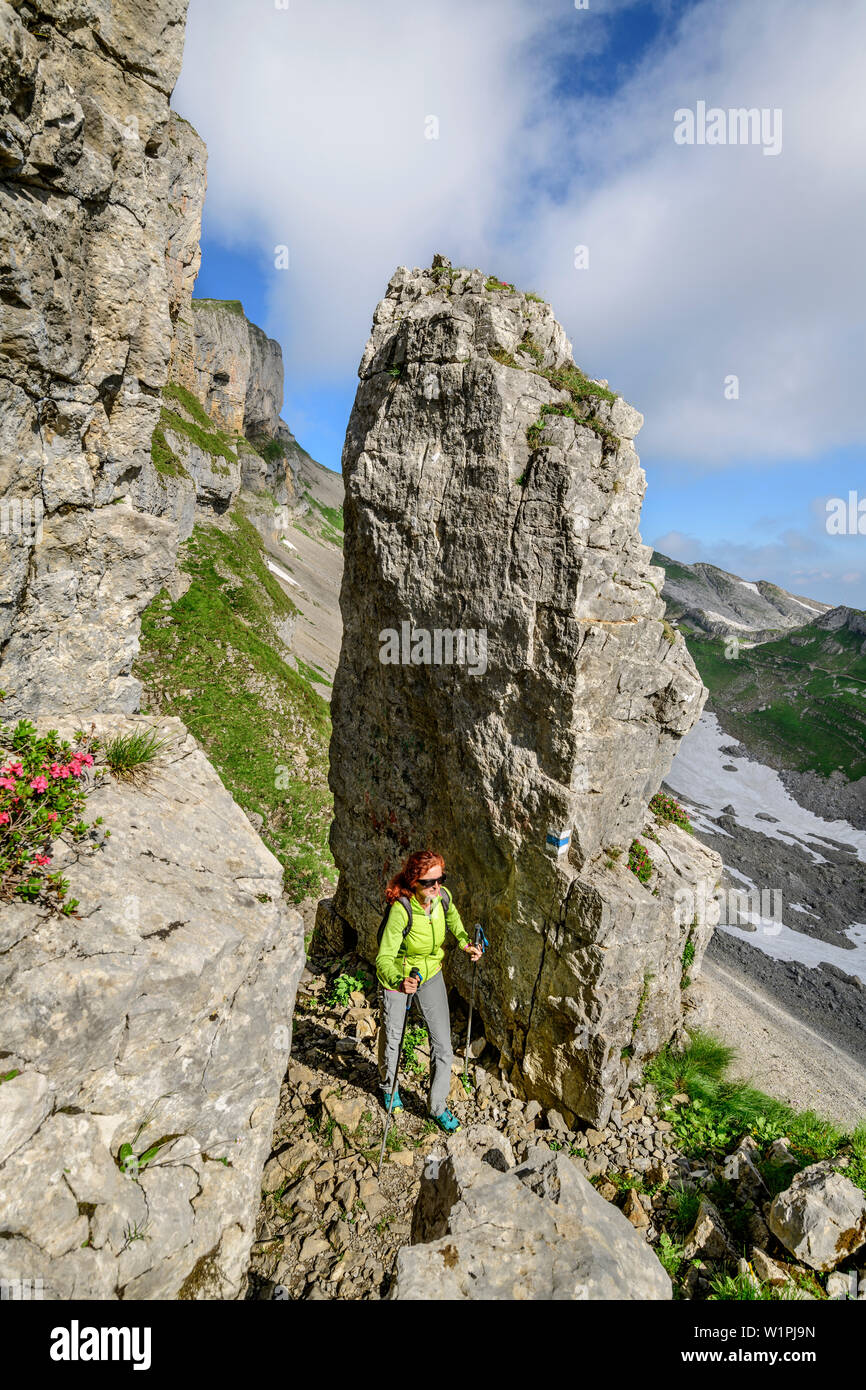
491	489
238	369
84	96
161	1015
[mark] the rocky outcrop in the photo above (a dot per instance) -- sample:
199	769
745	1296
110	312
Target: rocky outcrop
821	1217
712	600
493	490
187	158
238	369
487	1229
159	1018
84	110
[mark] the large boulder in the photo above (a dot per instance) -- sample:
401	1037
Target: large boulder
821	1217
159	1018
494	492
484	1229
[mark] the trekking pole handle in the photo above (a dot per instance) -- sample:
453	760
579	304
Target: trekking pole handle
480	938
414	973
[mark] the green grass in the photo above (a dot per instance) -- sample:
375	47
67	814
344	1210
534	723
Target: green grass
190	403
739	1286
333	515
128	755
213	659
211	441
164	459
722	1111
809	680
232	306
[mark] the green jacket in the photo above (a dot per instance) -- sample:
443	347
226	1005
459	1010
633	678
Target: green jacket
424	944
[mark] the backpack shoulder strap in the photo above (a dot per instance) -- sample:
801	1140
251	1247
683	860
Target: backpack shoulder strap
407	907
446	900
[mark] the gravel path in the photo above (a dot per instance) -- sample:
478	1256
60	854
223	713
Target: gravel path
780	1054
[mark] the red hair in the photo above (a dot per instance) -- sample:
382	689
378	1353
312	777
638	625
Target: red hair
416	865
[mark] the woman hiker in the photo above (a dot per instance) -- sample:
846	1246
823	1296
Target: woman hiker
418	903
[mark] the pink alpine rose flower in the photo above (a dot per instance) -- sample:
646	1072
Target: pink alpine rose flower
41	860
4	817
39	784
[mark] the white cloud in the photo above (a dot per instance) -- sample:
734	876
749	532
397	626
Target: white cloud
704	261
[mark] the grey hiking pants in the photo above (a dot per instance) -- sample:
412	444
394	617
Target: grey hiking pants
432	999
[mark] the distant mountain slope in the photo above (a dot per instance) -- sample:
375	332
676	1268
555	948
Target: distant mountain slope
796	702
704	598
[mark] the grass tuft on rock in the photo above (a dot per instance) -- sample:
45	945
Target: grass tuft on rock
130	756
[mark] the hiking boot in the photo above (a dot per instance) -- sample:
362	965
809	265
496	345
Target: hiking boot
446	1121
398	1104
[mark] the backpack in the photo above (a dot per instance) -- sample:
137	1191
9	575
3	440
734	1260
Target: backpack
404	902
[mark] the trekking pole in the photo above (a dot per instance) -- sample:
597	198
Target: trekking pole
414	973
480	940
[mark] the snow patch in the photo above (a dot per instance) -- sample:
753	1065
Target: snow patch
281	574
698	773
732	622
746	585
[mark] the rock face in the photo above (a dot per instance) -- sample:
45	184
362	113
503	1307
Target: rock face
491	489
162	1016
485	1229
87	333
238	369
187	158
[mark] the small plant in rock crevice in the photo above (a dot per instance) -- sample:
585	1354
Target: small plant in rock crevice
128	756
639	862
44	783
669	812
344	986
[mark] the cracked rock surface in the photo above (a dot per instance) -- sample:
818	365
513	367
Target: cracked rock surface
160	1018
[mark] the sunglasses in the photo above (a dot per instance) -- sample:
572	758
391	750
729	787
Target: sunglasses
431	882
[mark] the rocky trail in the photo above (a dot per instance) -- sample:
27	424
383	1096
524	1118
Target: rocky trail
328	1228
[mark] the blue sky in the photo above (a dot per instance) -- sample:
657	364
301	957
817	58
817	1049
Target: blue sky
555	129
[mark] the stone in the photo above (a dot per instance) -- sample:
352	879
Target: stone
404	1158
170	1001
634	1211
446	476
312	1247
821	1217
767	1270
842	1286
345	1110
347	1194
708	1236
535	1231
780	1152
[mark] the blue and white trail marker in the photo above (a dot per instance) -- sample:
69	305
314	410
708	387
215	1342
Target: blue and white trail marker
558	841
